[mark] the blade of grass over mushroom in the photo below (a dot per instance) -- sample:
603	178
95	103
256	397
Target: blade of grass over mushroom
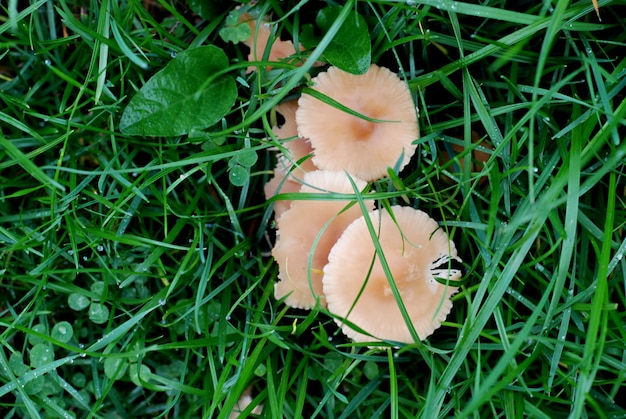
385	266
332	102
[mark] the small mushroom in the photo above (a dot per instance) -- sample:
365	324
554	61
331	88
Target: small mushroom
258	41
416	251
342	141
298	230
285	180
298	147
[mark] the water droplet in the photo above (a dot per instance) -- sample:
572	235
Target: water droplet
162	301
173	54
85	258
100	248
227	317
47	62
70	252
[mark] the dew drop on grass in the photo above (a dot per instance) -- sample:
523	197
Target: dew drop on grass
100	248
173	54
70	252
47	62
162	301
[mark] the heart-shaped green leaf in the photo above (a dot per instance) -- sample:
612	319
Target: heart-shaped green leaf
351	49
187	94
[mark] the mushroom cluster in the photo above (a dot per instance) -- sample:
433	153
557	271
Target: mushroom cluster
384	274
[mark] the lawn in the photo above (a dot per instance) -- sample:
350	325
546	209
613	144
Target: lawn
136	269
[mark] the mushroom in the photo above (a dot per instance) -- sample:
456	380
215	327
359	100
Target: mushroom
312	226
259	40
416	250
285	180
342	141
286	177
298	147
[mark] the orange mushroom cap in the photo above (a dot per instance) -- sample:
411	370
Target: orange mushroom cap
416	251
298	229
342	141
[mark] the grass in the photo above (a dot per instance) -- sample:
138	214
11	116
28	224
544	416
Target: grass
135	278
